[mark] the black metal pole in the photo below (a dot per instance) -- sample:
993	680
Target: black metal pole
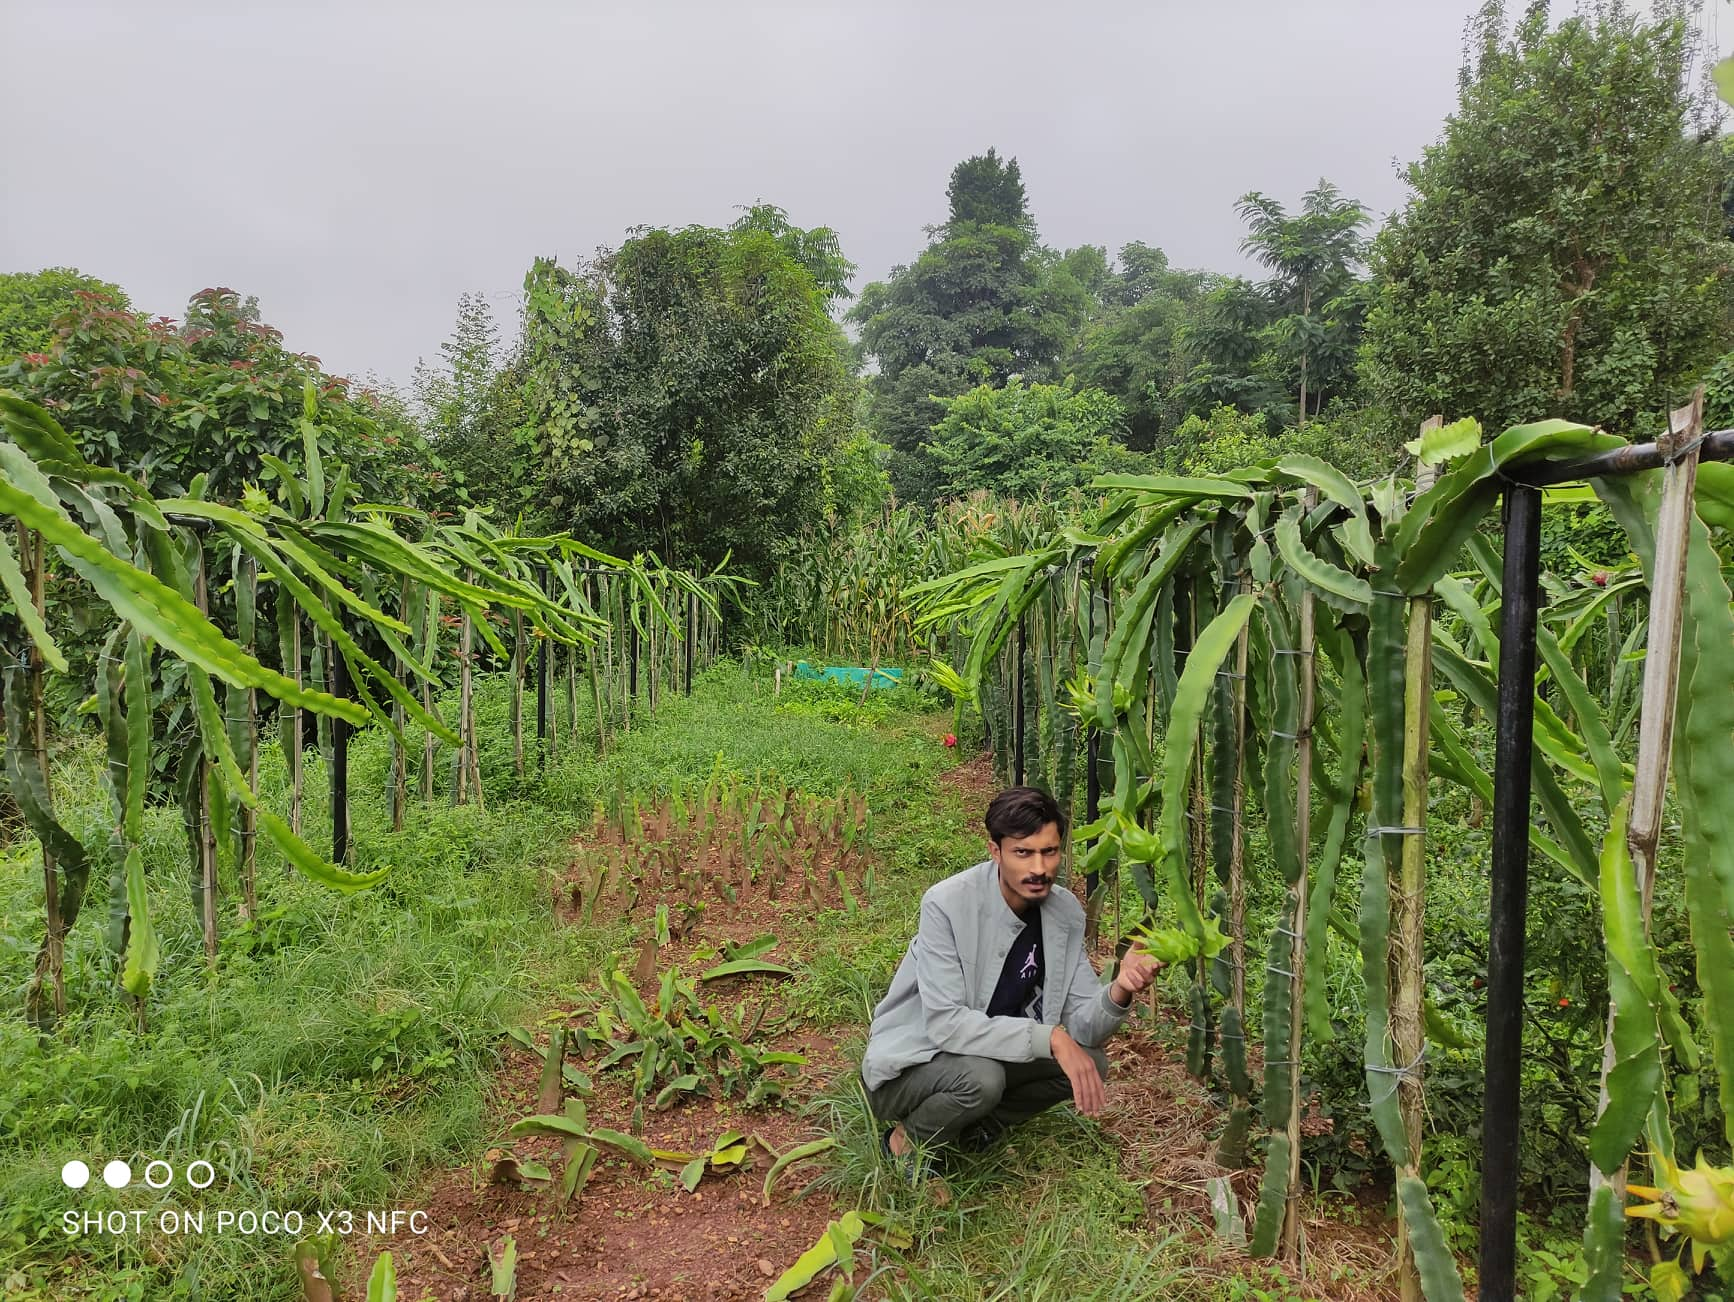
691	619
542	678
1509	894
1018	710
632	673
1717	446
339	763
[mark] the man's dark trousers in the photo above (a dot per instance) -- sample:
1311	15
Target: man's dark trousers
936	1101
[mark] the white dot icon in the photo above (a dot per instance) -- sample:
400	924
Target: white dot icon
75	1174
117	1174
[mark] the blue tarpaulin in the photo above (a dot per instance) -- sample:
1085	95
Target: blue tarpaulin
854	675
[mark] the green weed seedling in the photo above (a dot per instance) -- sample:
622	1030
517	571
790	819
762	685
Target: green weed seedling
681	1045
729	1153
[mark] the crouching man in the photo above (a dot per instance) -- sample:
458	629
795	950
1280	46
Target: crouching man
996	1012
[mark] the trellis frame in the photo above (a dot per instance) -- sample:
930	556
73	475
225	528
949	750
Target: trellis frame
1508	893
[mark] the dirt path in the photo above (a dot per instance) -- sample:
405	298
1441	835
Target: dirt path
633	1233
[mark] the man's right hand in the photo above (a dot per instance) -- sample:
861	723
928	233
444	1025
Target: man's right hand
1087	1089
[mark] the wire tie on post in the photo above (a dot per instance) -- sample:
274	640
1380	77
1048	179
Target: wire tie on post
1386	592
1686	449
1224	673
1280	972
1399	1074
1396	831
1286	736
1284	931
1289	651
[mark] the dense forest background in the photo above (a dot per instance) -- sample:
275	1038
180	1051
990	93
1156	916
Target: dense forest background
720	391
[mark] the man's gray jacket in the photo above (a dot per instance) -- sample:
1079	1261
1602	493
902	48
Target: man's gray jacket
938	999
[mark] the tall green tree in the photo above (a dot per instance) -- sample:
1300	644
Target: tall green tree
1223	350
685	394
1142	270
987	190
454	392
967	311
1564	249
1028	442
1131	345
471	403
1314	257
817	249
1071	295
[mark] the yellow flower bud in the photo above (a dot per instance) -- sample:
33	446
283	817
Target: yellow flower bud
1698	1202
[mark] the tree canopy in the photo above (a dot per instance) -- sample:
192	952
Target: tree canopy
1564	250
30	302
454	392
1031	442
683	394
985	302
963	313
1314	257
215	395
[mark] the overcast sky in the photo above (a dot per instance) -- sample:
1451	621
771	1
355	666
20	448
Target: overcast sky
359	165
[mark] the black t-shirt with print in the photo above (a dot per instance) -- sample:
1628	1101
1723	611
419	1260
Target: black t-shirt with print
1019	990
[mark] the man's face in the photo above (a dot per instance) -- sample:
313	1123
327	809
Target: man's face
1027	864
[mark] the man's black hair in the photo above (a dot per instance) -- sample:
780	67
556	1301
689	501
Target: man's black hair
1022	811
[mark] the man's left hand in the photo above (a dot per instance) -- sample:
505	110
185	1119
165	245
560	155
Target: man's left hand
1137	971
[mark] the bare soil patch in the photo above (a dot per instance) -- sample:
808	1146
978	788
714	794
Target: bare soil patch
635	1233
632	1233
974	784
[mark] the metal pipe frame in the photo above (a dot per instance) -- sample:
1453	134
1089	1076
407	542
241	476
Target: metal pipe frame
1509	883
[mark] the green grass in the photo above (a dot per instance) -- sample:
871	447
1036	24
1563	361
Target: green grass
339	1045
